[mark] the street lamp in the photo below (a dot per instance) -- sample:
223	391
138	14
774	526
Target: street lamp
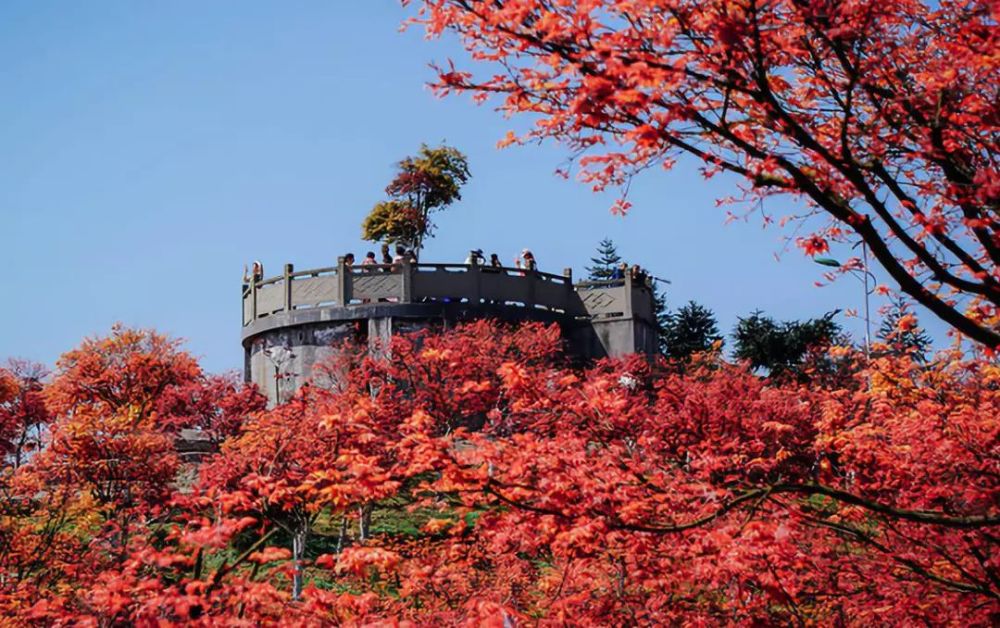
862	276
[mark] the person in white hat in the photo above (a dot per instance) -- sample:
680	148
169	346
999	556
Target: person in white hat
528	260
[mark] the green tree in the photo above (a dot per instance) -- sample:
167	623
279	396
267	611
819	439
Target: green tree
782	347
689	329
605	262
428	182
900	332
661	318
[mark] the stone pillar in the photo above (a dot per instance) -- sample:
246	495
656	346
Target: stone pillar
573	304
477	284
343	283
289	269
406	282
628	296
253	299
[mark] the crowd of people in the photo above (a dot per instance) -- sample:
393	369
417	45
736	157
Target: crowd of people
524	261
402	254
635	272
371	262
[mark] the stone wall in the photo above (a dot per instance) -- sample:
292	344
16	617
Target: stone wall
292	322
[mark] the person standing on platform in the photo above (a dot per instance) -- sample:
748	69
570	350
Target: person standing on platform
475	258
619	271
529	262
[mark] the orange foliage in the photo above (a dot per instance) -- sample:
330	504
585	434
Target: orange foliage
626	492
879	115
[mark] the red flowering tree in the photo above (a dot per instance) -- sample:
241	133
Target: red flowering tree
881	115
24	418
630	493
107	435
214	406
523	489
108	472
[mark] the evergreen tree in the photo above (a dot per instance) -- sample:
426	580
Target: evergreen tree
661	318
781	347
605	262
900	332
687	330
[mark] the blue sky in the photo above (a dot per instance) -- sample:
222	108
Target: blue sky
148	150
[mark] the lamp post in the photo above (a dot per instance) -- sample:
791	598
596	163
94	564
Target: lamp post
861	276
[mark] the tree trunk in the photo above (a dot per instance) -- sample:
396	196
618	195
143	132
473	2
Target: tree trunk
298	549
343	533
365	520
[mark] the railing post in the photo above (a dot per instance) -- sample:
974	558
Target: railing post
532	277
253	298
571	296
477	284
628	295
405	281
342	282
289	269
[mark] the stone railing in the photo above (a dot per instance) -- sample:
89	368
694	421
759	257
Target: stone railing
348	286
615	298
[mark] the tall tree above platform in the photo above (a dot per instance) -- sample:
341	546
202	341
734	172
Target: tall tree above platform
428	182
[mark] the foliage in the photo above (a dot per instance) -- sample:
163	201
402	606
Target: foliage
880	114
661	317
428	182
784	347
690	329
24	418
396	222
628	492
901	334
213	405
605	262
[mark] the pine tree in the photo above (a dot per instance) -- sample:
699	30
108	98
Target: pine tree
661	317
605	262
690	329
900	332
781	347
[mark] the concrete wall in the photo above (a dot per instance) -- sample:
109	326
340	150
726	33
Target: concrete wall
280	360
293	322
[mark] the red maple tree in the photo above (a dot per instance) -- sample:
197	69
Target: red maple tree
881	114
24	417
476	476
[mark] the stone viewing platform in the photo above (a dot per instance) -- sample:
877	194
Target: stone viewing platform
293	320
